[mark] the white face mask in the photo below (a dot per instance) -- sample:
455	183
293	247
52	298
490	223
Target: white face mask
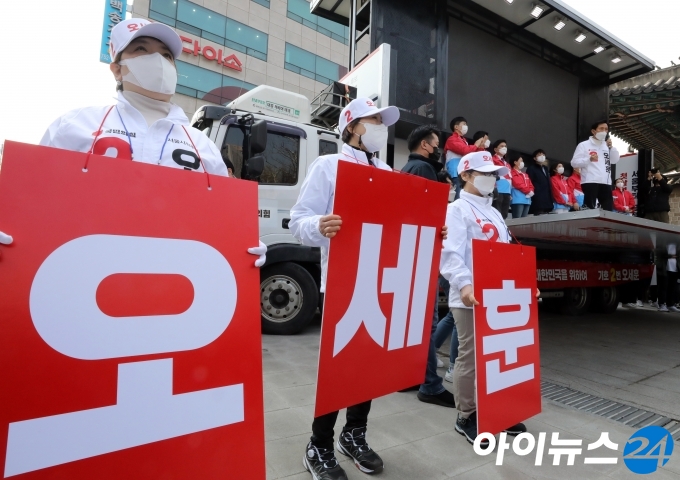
484	184
151	72
502	151
463	129
540	158
561	171
375	138
601	136
521	165
487	144
619	185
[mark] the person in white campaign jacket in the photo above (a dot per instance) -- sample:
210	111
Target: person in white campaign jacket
364	130
595	158
470	217
143	126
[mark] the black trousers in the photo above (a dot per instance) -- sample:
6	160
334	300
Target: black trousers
502	204
322	427
593	192
668	288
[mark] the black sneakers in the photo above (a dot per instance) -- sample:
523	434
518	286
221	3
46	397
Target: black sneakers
322	464
516	429
353	444
444	399
468	428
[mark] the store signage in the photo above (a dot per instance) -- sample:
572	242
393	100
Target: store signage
507	356
114	13
382	281
209	53
130	344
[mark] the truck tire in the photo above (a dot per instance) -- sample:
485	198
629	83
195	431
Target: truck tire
288	298
605	300
576	301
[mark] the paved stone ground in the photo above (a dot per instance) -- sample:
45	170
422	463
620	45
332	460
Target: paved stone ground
632	356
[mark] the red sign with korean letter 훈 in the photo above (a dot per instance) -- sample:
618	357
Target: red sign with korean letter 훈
130	341
507	356
381	285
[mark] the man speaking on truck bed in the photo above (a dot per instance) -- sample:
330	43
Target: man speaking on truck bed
595	158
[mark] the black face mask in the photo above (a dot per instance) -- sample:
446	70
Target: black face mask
436	154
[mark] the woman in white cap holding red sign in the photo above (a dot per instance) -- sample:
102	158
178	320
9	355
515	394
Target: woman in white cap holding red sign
364	131
143	125
470	217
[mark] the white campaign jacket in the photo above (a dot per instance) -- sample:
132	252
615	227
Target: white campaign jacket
595	172
461	218
77	129
316	200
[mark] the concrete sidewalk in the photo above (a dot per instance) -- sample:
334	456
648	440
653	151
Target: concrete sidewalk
416	440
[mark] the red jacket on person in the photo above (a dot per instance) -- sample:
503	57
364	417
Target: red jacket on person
623	199
574	182
560	186
521	182
458	145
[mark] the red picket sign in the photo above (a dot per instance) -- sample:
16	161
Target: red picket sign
125	351
507	357
381	286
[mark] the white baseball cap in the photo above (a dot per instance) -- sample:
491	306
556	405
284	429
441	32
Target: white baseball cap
127	30
480	162
365	107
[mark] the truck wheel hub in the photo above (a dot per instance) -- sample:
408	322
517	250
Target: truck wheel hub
280	298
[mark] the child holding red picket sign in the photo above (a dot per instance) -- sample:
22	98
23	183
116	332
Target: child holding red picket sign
470	217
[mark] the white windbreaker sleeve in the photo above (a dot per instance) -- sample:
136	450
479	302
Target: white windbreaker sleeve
51	133
214	163
614	156
313	203
581	157
452	264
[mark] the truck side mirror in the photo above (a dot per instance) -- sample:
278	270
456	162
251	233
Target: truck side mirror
258	137
255	167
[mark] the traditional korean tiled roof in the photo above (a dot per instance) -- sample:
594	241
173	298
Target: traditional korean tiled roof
645	112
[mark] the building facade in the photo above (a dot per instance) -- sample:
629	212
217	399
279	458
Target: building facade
232	46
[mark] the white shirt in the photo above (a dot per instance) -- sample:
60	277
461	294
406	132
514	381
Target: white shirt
595	172
77	129
461	219
316	198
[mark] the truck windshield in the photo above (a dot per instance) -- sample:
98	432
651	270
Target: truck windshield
282	156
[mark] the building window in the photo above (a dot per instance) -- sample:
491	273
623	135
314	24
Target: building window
264	3
298	10
312	66
208	85
212	26
281	157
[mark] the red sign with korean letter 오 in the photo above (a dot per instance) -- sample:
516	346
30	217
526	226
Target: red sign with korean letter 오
381	285
129	334
507	356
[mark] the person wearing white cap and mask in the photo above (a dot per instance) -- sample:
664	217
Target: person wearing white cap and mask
143	125
470	217
363	127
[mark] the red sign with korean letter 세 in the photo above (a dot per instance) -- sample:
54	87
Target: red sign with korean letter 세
130	341
507	356
381	285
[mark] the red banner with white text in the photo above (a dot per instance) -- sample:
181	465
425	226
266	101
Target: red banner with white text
507	356
382	283
129	333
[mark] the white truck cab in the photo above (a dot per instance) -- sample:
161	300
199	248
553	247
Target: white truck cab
297	133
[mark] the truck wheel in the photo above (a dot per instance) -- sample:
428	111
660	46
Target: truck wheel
606	300
576	301
288	298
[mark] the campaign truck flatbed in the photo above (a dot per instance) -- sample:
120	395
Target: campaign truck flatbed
593	259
